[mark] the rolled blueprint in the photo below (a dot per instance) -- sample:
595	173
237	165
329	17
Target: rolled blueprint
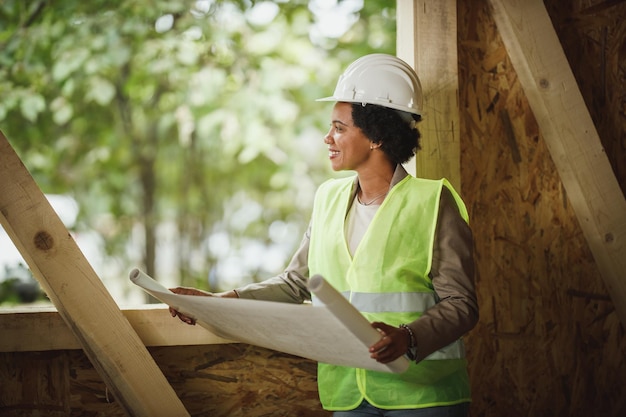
351	317
334	333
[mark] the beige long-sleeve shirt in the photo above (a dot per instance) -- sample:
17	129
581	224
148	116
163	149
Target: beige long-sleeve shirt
452	275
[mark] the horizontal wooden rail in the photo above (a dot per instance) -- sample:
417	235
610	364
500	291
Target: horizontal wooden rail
27	329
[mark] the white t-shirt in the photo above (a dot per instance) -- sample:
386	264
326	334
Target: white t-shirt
359	218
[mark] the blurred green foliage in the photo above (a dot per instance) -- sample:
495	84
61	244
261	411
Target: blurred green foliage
18	286
200	116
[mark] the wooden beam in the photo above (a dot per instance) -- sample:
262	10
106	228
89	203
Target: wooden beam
57	263
570	135
36	329
427	40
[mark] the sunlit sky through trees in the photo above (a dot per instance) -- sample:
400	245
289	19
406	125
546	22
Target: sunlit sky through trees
185	141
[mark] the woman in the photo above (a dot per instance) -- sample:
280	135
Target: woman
398	247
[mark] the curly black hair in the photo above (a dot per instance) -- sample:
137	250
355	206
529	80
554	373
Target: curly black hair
386	127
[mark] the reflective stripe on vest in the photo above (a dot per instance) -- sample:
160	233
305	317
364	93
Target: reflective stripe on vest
399	302
391	302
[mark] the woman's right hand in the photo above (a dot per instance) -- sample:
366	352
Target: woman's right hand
195	291
187	291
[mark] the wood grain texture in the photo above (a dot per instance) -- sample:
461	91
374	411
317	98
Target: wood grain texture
30	329
569	133
426	40
549	341
80	297
231	380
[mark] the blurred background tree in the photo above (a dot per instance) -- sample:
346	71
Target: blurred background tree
187	132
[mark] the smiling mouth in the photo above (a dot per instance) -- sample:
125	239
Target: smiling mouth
332	153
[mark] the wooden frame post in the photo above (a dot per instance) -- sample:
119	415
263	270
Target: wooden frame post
427	40
55	260
571	137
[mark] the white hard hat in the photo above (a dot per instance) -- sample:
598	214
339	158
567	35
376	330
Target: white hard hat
380	79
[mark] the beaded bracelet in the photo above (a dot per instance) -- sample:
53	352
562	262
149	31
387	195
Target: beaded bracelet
411	352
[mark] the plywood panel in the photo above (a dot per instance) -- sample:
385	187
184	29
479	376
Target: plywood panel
569	132
592	34
549	342
230	380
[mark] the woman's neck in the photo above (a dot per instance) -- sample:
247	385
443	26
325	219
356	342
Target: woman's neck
374	185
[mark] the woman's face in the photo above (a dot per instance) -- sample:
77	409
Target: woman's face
348	147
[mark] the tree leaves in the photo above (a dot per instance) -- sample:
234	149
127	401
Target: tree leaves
31	104
176	113
100	90
68	62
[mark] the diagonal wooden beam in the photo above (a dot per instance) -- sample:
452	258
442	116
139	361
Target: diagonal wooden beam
55	260
570	135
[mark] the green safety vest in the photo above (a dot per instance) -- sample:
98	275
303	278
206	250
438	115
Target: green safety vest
387	280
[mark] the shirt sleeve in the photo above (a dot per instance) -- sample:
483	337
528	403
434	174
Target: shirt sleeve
288	287
452	275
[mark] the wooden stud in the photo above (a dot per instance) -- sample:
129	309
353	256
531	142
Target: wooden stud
426	40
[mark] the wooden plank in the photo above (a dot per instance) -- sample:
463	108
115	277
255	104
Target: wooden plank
570	135
86	306
35	329
427	40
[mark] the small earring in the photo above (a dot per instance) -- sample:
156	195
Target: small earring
371	147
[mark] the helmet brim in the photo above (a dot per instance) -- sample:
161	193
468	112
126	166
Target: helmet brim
327	99
382	103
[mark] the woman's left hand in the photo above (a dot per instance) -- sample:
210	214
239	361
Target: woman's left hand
393	343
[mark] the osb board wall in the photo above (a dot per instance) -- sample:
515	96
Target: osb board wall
234	380
593	34
548	342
